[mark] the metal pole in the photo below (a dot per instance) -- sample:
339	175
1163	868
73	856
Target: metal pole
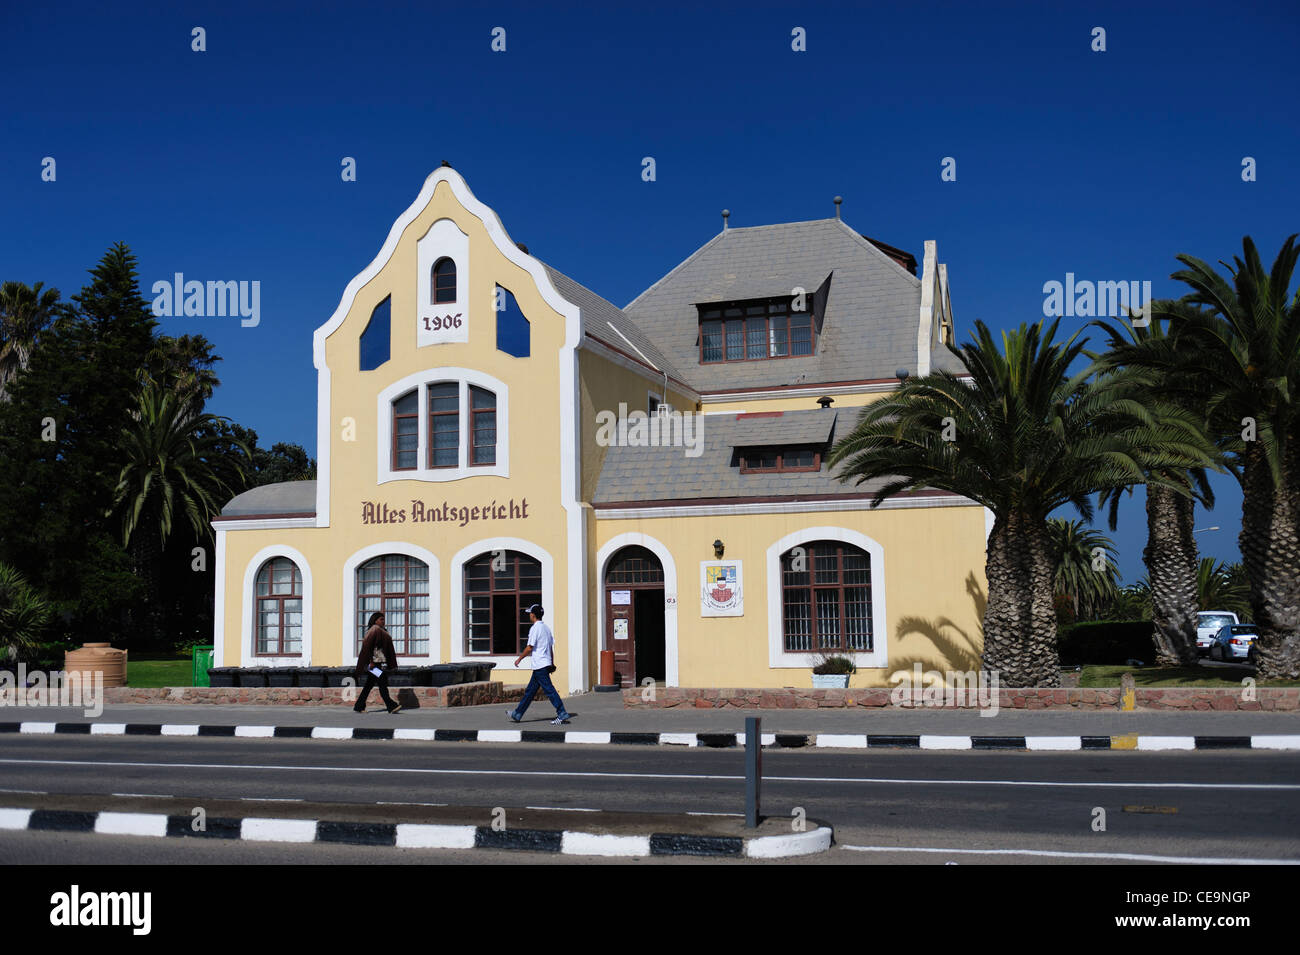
753	769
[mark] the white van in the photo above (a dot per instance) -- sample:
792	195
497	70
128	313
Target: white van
1208	623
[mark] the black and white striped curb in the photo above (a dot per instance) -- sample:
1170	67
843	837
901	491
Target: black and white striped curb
1130	741
418	835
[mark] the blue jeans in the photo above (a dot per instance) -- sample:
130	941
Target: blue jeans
541	680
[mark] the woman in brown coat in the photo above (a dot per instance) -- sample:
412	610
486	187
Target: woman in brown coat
376	653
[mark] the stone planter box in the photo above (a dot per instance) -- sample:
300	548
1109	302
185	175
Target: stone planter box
830	681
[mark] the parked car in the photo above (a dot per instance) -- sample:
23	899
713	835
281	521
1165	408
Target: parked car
1233	642
1208	624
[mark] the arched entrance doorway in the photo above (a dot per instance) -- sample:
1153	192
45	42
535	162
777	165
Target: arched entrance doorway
634	616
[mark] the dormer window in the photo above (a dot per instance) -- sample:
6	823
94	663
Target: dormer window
444	281
755	330
777	459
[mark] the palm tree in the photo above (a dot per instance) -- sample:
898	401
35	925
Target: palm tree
1078	577
1234	343
1170	552
1018	433
24	613
173	468
1220	587
24	314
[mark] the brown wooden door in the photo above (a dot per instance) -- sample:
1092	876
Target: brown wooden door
632	569
621	634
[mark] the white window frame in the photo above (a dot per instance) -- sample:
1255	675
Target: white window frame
248	624
401	549
464	377
778	657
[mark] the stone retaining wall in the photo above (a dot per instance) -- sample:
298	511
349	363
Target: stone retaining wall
1174	698
460	694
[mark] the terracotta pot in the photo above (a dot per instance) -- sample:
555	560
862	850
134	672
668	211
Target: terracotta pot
99	657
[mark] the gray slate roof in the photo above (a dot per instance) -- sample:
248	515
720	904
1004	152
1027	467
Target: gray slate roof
597	316
289	497
632	474
871	315
791	427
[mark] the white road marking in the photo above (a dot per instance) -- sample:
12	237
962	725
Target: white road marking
562	809
1123	856
412	835
180	729
14	818
131	824
872	780
107	729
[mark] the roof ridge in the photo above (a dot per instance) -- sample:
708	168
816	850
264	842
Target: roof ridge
680	265
867	243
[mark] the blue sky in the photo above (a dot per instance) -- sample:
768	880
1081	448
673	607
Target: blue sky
225	164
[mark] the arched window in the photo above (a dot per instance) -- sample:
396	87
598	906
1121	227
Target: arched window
397	586
406	431
279	608
500	586
826	598
444	281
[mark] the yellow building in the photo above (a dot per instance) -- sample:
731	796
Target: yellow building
491	434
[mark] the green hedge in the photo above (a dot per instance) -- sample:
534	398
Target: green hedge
1106	642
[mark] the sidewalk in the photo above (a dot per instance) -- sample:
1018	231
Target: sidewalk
604	712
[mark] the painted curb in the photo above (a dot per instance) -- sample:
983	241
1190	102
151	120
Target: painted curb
421	836
1125	741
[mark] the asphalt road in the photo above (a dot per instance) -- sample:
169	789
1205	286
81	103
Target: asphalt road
885	806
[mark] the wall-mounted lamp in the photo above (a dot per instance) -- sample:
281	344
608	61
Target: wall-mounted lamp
717	548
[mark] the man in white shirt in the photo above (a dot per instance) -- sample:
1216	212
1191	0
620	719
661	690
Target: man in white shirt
539	650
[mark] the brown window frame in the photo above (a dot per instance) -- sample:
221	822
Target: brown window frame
473	429
297	585
434	276
431	415
396	417
523	599
402	643
744	306
781	467
813	548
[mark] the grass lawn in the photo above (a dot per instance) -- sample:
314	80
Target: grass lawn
159	669
1108	676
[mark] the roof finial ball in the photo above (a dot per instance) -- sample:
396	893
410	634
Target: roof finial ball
447	164
902	374
838	201
726	214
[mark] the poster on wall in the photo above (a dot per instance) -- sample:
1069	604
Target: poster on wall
721	589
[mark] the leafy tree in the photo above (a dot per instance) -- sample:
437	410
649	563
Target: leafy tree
1020	434
1078	550
1222	587
25	614
25	312
168	473
1234	344
1170	552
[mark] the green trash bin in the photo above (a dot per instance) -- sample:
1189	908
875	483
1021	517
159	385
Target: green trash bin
202	663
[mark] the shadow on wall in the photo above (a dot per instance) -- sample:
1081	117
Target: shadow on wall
953	647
